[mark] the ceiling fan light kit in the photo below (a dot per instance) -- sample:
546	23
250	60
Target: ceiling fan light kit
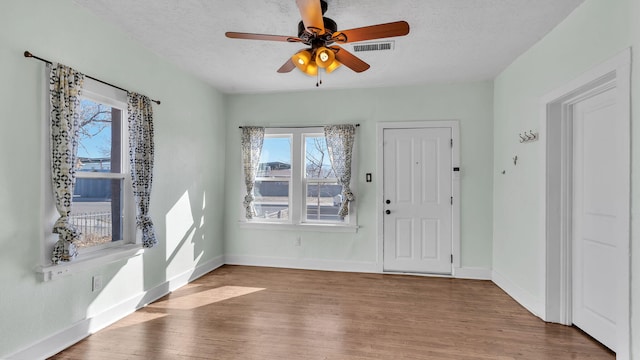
320	34
324	57
309	60
303	61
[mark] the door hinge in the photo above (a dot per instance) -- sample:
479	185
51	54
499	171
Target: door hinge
452	200
451	142
452	258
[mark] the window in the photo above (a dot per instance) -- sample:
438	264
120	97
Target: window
295	183
103	208
97	209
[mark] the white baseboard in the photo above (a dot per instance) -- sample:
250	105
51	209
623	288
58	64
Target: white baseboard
71	335
520	295
472	273
306	264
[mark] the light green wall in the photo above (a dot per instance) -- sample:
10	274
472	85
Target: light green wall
593	33
196	125
635	178
190	134
471	103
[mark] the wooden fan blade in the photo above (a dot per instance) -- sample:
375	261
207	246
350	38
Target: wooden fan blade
251	36
380	31
311	13
287	67
349	60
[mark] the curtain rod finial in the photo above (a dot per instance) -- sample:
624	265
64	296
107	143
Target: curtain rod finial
27	54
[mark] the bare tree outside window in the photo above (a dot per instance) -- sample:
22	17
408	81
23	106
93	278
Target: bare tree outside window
95	124
318	167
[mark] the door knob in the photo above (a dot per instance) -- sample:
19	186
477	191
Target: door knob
388	212
388	201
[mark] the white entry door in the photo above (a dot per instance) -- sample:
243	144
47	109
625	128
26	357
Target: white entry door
598	230
417	195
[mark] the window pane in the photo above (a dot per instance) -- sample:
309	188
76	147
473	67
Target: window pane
271	190
272	199
275	158
97	210
317	163
324	201
99	140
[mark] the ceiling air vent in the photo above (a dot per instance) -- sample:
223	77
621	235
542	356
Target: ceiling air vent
374	46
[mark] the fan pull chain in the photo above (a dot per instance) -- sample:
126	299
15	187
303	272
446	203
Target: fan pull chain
318	79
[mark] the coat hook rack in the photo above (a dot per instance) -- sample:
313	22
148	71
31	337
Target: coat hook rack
527	137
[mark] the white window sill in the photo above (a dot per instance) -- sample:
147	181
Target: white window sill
299	227
89	261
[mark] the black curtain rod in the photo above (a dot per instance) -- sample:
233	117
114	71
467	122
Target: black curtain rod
27	54
295	127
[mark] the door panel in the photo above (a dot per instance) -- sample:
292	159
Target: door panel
417	183
430	230
404	246
598	203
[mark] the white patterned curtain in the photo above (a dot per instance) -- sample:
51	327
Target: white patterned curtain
340	140
65	84
252	139
141	149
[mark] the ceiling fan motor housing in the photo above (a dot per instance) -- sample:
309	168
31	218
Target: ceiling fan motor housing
330	27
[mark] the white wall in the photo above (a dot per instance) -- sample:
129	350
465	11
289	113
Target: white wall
593	33
190	134
471	103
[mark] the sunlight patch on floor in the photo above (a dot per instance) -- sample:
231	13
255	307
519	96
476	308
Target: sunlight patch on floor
192	301
136	318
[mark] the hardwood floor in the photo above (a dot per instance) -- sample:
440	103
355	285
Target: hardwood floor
240	312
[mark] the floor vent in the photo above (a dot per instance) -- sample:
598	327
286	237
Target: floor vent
374	46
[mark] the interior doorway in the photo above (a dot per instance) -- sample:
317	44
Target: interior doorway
585	129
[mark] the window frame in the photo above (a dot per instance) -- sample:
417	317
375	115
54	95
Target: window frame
298	190
130	244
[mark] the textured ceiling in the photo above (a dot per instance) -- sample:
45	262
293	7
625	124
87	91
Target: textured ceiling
449	40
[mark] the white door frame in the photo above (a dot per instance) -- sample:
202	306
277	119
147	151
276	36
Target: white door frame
556	188
455	183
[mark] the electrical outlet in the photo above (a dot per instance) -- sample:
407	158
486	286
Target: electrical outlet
298	241
96	283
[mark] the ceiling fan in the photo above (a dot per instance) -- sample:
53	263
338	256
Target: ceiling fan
321	34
